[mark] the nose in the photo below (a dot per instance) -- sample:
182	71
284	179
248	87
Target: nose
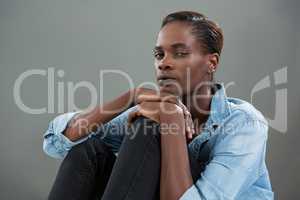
165	64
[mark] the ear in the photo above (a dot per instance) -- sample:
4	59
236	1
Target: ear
213	60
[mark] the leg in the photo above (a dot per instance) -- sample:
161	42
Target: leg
84	172
136	173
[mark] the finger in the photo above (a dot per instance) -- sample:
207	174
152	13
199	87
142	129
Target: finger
132	116
179	102
169	99
188	125
189	133
188	129
152	98
191	123
145	97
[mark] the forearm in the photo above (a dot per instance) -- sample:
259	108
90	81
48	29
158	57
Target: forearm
175	169
86	122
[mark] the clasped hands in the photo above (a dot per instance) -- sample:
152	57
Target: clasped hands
153	104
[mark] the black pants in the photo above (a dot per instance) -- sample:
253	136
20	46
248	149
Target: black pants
91	171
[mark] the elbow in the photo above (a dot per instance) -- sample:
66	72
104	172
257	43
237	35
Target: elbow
51	149
71	134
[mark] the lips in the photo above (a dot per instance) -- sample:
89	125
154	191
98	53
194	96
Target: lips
164	80
165	77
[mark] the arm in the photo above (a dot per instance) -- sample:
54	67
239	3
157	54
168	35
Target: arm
237	161
176	127
175	169
85	123
56	144
238	156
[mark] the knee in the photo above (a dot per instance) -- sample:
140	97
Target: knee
88	150
144	127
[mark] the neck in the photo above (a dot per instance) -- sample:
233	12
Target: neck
199	105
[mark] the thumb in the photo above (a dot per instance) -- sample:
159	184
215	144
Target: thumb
132	116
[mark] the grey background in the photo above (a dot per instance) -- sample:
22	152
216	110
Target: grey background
82	37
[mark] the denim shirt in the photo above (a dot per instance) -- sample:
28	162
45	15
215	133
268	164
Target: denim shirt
235	136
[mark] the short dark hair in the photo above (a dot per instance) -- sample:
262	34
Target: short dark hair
206	31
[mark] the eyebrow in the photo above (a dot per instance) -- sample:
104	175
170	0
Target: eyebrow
173	46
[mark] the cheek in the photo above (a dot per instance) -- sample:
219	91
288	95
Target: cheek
195	73
198	67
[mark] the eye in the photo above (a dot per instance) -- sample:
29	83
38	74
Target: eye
158	55
181	54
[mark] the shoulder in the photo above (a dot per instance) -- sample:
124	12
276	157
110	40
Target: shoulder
243	131
244	119
241	109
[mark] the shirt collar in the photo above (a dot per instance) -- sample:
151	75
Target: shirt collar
219	107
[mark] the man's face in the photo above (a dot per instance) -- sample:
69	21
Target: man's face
180	65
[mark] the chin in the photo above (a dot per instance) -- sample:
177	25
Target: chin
171	90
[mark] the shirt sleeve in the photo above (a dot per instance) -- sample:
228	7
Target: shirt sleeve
57	145
237	160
